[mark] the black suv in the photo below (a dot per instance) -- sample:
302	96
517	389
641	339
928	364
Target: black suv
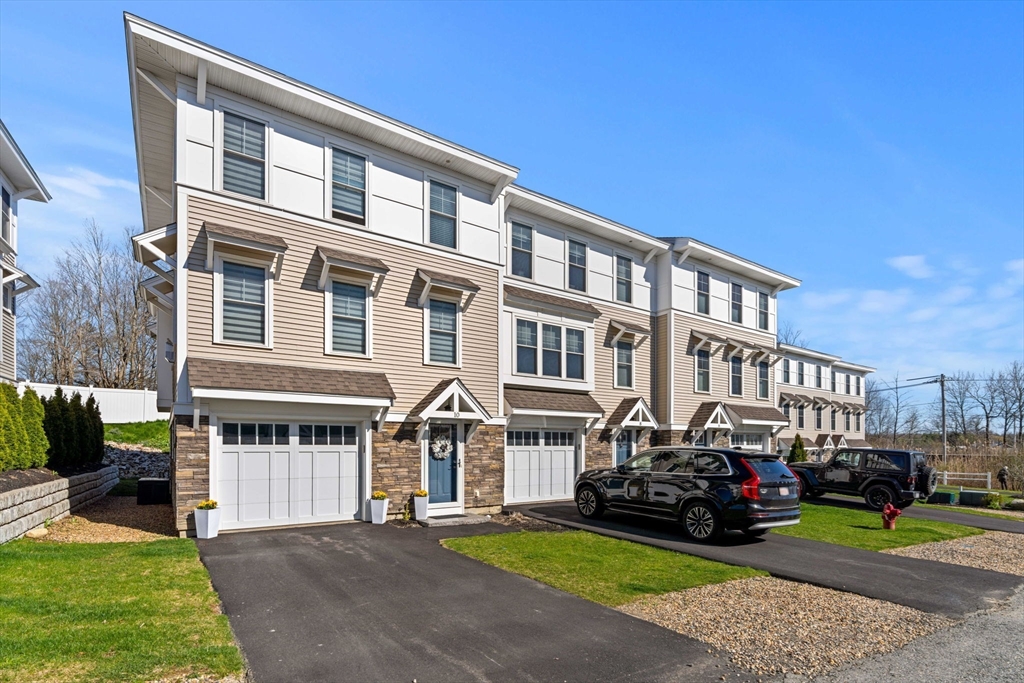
709	490
881	476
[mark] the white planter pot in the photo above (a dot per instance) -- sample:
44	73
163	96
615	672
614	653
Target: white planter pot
422	510
207	523
378	510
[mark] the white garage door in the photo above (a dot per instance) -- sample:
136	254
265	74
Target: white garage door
272	474
539	465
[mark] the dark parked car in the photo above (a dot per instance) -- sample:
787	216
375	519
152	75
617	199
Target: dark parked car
708	490
881	476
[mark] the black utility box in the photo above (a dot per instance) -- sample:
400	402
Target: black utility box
153	491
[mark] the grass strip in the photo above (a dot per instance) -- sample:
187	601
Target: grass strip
155	434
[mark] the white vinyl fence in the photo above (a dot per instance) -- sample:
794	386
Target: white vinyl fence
117	406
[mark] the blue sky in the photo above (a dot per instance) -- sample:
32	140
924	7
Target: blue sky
875	151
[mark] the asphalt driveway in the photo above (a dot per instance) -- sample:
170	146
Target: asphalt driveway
936	587
361	602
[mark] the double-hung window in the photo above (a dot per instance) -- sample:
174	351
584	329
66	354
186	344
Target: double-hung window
526	347
800	372
857	422
785	410
737	303
624	364
817	376
846	420
444	332
244	303
574	355
348	187
762	311
762	379
5	216
847	384
817	418
577	266
832	421
551	340
736	376
348	318
561	348
703	371
800	417
522	250
10	300
785	370
244	156
703	293
858	385
623	279
833	381
443	216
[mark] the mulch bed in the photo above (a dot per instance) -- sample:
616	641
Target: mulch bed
114	519
16	479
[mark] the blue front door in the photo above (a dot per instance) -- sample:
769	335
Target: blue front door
443	470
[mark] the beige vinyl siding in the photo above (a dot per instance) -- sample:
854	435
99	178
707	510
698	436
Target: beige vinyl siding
298	308
809	433
8	365
605	392
686	399
662	353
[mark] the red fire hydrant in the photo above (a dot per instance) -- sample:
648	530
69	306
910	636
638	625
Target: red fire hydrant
889	514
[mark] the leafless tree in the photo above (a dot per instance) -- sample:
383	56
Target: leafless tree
912	423
789	334
1013	391
984	392
878	409
87	323
959	406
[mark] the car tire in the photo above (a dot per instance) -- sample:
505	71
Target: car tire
878	495
929	481
589	503
702	522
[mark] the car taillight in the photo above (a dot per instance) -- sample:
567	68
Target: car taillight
912	480
750	487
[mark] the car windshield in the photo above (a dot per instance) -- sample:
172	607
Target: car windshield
895	462
768	467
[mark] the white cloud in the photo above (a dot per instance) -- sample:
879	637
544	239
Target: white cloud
82	181
956	294
883	301
815	301
911	266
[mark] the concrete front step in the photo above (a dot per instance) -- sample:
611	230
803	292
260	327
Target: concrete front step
454	520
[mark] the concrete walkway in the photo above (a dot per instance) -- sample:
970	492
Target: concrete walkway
936	587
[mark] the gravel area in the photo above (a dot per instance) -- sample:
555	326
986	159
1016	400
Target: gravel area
775	627
995	550
113	519
518	520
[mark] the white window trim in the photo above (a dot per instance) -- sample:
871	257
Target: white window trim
800	417
533	250
615	279
329	316
787	370
435	178
767	312
615	365
768	379
729	362
218	301
696	370
458	331
329	183
819	417
586	268
218	170
742	290
801	373
819	377
540	350
696	291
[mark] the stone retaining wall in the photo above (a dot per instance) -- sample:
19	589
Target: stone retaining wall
29	507
135	462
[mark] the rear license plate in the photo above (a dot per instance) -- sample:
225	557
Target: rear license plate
783	491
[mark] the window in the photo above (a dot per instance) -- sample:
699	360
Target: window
327	435
800	417
736	376
623	279
250	433
800	373
762	379
817	376
577	266
526	347
348	187
703	371
893	462
850	459
710	463
624	364
785	370
785	410
858	386
703	293
832	423
244	155
833	381
522	250
737	303
5	215
847	384
856	419
243	303
574	340
817	418
551	362
442	214
746	441
522	438
559	438
701	440
674	462
762	311
443	332
348	318
10	300
846	421
624	450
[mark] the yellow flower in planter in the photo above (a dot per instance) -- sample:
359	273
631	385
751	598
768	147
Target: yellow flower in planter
207	505
420	493
379	495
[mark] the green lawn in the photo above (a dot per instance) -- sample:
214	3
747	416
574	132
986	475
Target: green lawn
109	612
155	434
605	570
969	510
863	529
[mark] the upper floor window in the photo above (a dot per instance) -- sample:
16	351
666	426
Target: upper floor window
857	420
832	421
817	376
800	417
762	379
6	215
785	370
846	420
577	266
736	376
847	384
858	386
348	318
703	371
443	214
243	303
737	303
522	250
244	156
817	418
703	293
574	345
348	187
10	300
785	410
526	347
444	332
624	364
762	311
552	342
623	279
558	359
833	381
800	372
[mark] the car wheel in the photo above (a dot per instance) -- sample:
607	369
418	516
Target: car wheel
878	495
929	481
702	522
589	502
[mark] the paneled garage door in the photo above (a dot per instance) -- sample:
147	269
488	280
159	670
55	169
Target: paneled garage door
539	464
271	474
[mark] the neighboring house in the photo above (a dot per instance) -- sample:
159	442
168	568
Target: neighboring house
823	397
18	180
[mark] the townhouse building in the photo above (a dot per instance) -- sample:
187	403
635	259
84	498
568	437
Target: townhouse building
18	181
345	303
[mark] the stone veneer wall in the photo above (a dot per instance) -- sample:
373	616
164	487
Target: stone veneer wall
31	506
485	469
190	469
601	449
667	437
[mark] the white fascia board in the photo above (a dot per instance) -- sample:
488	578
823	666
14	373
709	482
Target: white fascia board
286	397
809	353
843	365
555	413
765	423
733	263
14	164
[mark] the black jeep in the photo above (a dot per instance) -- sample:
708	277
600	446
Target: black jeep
881	476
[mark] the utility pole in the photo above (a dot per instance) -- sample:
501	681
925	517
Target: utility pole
942	389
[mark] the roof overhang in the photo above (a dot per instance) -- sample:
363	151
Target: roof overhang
15	275
371	271
274	252
852	367
15	166
290	397
158	293
639	334
431	281
809	353
689	249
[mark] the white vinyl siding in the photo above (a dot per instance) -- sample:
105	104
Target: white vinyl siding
577	266
444	340
522	251
244	156
623	279
348	318
244	303
443	215
348	186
